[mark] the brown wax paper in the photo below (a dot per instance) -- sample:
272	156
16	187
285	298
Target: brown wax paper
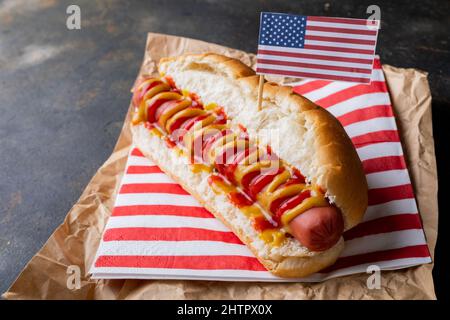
75	241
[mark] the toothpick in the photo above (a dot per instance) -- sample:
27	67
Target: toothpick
260	91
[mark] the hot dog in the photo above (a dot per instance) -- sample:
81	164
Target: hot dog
289	202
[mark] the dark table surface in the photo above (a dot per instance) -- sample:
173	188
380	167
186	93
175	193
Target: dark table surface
64	93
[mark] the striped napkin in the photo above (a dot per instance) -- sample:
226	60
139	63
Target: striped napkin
158	231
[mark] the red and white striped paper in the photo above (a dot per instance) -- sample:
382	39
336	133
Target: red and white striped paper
158	231
327	48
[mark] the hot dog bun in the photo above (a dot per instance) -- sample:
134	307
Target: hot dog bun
312	141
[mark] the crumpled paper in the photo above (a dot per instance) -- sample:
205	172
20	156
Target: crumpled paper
75	241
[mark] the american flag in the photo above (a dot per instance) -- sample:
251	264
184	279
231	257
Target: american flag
339	49
158	231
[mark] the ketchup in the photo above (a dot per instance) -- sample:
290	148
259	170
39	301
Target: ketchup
297	174
227	170
177	124
249	178
140	92
215	179
149	125
259	182
243	154
222	117
194	97
170	143
209	141
190	122
164	107
170	81
151	109
239	199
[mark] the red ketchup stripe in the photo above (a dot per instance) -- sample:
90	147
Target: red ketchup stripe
169	234
311	86
170	210
382	195
171	188
384	164
143	169
376	137
419	251
387	224
352	92
379	111
136	152
182	262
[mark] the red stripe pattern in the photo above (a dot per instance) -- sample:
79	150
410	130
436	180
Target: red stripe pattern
182	262
169	234
336	49
158	230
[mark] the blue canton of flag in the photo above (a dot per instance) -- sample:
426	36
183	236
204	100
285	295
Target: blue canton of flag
284	30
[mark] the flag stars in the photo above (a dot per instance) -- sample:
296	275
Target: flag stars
282	30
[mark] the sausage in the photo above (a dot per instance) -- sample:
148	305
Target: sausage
318	228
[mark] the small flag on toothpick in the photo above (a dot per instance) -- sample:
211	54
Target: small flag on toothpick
338	49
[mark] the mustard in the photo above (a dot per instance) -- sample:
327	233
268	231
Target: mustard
273	237
204	122
169	113
211	106
155	90
219	142
250	163
155	131
159	95
284	192
317	201
279	179
251	211
222	187
198	167
244	170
